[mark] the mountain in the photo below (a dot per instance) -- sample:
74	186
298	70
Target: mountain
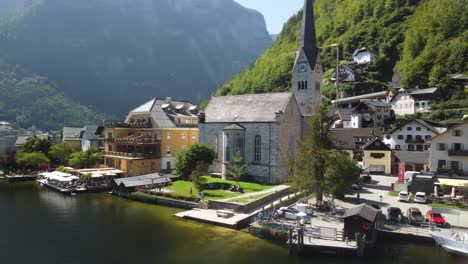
425	40
115	54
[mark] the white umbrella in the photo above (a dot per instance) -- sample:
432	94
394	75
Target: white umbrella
435	191
453	192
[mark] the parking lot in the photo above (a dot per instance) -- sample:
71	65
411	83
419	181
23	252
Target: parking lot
370	194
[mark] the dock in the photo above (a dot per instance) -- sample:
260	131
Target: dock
210	216
21	178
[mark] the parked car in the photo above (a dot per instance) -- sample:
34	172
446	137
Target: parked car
420	197
435	218
394	214
414	216
305	208
403	196
292	213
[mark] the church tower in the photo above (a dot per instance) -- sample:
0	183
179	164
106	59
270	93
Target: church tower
307	71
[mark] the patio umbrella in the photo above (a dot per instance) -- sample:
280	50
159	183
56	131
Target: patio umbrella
453	192
435	191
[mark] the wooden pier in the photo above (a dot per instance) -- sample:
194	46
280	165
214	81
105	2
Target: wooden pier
21	178
234	221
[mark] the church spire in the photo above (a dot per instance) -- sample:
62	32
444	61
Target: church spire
308	40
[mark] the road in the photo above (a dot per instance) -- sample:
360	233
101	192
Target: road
381	186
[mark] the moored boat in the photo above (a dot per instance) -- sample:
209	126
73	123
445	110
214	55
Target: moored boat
455	242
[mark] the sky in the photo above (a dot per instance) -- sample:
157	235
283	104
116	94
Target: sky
276	12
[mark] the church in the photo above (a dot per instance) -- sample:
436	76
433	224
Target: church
264	129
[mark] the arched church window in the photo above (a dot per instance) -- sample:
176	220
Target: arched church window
305	88
298	85
258	148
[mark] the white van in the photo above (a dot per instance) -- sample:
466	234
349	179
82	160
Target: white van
420	197
305	208
409	175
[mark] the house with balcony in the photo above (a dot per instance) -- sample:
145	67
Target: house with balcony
371	113
410	102
353	139
413	135
151	136
449	151
364	56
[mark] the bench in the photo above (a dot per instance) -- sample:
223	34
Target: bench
224	213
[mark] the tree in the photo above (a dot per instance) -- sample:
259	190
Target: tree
188	160
341	173
36	145
197	176
32	160
85	159
309	165
60	153
236	168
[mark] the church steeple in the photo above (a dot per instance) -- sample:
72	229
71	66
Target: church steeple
308	40
307	72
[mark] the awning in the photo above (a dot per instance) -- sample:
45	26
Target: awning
453	182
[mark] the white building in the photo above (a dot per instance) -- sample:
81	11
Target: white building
410	102
364	55
449	151
413	135
346	74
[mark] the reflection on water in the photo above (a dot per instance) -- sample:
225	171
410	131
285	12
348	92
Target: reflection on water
41	226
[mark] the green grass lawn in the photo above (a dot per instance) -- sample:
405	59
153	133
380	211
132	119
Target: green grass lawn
183	188
449	206
394	193
246	200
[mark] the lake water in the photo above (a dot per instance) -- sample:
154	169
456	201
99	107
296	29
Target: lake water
41	226
6	142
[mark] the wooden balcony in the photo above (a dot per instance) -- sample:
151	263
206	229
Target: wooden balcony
137	141
458	153
415	141
119	124
132	155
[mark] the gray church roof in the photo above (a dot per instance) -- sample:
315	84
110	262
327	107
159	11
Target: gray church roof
246	108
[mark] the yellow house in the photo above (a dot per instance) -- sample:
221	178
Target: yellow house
151	137
378	158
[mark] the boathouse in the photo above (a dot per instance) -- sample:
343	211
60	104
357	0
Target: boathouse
125	186
360	219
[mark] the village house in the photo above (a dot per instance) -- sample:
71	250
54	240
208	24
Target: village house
72	137
364	56
89	138
378	158
410	102
449	151
264	129
150	138
413	135
353	139
347	74
371	113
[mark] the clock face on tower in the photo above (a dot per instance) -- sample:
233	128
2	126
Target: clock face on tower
302	67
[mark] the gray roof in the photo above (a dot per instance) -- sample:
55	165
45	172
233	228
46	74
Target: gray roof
363	210
413	157
358	98
90	132
21	139
376	103
431	125
345	137
362	50
71	133
164	118
148	179
246	108
234	127
424	91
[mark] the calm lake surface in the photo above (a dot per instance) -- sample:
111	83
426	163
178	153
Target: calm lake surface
41	226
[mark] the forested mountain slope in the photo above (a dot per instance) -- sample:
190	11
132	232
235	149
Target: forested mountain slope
425	40
113	55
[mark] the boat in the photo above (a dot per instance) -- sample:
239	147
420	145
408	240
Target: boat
452	241
21	178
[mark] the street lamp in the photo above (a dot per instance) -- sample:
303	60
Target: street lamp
338	46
